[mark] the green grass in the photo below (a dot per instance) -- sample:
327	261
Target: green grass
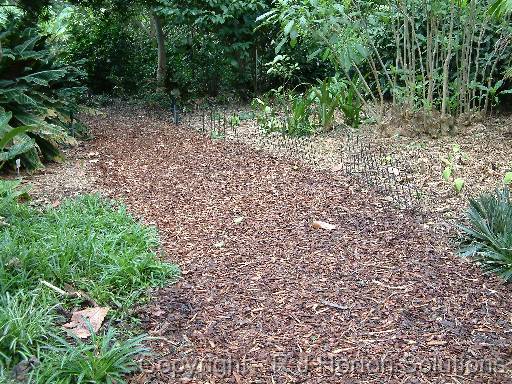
104	359
26	320
95	246
90	243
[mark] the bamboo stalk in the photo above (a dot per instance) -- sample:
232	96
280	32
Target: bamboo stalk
446	64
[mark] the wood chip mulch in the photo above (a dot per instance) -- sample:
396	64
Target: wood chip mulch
267	298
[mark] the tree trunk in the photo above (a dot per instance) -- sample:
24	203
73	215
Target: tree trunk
161	71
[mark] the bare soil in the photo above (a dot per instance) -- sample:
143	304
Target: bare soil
57	181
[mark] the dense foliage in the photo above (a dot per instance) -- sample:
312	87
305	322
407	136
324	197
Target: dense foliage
434	57
117	55
38	96
211	48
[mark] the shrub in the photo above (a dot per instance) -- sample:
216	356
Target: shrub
37	92
487	238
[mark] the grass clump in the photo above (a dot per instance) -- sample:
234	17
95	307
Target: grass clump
26	320
487	238
104	359
88	243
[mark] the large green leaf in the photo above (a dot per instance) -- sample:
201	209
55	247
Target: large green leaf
44	77
16	150
32	105
500	8
18	96
10	135
5	117
28	44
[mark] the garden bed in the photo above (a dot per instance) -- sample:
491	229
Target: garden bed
279	300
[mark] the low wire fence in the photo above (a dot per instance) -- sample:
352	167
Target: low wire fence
343	151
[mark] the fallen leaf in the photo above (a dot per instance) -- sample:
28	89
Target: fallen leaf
340	350
82	321
317	224
238	220
220	244
393	171
56	203
23	369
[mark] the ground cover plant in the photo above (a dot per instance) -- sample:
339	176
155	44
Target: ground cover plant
92	245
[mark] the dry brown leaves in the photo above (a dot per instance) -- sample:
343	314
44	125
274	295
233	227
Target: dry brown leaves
86	320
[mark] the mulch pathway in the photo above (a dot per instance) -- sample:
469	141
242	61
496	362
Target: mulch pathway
266	298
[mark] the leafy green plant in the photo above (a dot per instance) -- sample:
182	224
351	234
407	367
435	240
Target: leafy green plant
104	359
217	135
327	102
487	238
351	106
451	163
507	179
284	67
10	145
235	120
298	122
35	92
458	184
267	116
